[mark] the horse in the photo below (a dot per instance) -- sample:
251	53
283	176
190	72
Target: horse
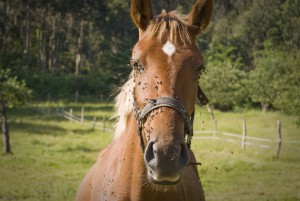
150	157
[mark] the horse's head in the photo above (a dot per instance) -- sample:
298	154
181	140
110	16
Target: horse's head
166	65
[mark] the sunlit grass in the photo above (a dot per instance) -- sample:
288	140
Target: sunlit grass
258	124
51	155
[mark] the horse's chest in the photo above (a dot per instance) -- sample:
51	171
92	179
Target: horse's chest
109	190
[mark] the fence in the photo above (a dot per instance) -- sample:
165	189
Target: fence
102	125
244	139
105	125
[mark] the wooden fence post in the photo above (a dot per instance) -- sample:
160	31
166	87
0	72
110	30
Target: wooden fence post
49	96
210	111
103	123
215	130
244	133
71	114
82	115
56	108
76	96
279	138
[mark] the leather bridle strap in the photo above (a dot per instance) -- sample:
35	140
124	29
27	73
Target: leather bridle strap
153	104
168	102
141	115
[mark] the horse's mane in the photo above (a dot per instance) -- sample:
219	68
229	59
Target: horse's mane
124	105
176	28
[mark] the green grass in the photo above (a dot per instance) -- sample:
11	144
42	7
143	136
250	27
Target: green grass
51	155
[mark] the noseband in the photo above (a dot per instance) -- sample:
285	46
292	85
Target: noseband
141	114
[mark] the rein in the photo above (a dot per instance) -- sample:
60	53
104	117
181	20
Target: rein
141	114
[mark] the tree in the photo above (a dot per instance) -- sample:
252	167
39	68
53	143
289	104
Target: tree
288	85
224	80
12	92
269	65
60	47
276	79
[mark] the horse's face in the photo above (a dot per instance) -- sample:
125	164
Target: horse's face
165	67
173	71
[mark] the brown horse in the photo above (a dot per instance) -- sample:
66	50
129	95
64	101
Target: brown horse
150	157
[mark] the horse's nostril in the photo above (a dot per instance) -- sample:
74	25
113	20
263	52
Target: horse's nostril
150	153
166	162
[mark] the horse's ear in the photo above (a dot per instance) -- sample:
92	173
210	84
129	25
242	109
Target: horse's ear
200	15
141	13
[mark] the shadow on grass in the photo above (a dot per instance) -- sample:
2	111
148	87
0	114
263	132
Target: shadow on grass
36	129
33	111
103	108
79	148
83	131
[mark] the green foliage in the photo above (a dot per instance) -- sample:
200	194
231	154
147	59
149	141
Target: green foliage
288	85
93	86
12	91
42	41
264	35
269	66
263	21
224	80
290	24
276	79
47	36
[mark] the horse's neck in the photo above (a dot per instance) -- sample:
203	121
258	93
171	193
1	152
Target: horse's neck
129	142
131	168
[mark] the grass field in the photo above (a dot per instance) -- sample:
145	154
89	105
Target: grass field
51	155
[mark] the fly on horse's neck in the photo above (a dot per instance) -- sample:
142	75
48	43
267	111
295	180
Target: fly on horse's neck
150	157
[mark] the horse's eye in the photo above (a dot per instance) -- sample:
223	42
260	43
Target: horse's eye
136	65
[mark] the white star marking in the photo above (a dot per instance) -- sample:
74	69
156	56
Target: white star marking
169	48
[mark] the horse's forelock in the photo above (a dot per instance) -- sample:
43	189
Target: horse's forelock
173	24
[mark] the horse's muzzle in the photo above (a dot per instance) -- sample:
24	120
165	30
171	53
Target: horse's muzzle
165	162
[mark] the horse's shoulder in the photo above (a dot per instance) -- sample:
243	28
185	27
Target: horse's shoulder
85	188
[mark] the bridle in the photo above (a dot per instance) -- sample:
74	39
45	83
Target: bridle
141	114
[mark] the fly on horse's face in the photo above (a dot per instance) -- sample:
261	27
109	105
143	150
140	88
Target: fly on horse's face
170	68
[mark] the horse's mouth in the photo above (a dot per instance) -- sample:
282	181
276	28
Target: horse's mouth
164	181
